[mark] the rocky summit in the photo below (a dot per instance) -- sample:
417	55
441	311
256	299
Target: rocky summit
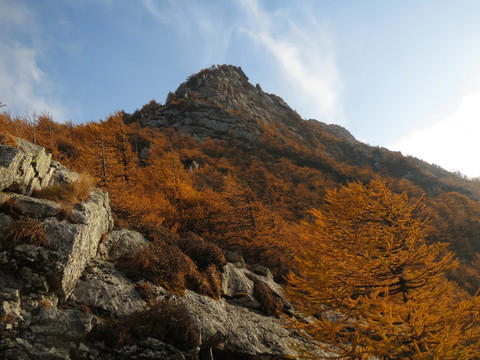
221	103
63	295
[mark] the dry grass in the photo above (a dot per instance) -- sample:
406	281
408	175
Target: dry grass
65	212
25	231
85	309
8	140
214	280
45	303
72	193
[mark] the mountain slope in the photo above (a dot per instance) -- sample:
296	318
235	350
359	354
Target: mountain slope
220	103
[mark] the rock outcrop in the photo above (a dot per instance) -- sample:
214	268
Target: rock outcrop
59	283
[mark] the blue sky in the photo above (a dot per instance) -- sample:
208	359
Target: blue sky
400	74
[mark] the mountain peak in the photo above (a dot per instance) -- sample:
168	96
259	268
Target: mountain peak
219	102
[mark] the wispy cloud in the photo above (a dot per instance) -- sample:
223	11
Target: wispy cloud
305	54
452	143
200	24
23	84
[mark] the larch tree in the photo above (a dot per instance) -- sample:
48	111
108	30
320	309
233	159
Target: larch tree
369	285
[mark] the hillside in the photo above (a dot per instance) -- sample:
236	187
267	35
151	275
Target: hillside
215	183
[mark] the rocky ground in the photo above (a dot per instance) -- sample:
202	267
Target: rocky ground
62	295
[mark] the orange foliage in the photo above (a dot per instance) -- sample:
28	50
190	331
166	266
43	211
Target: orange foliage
372	286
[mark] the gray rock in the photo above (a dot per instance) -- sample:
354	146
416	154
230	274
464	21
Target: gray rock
61	175
69	324
3	258
121	242
10	309
235	282
102	286
24	168
33	207
5	222
236	330
235	258
262	270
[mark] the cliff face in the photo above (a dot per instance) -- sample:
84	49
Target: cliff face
63	295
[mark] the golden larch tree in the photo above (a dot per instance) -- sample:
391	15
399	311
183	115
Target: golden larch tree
368	283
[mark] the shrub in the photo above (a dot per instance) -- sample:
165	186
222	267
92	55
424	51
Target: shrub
270	303
203	253
166	265
167	320
24	231
10	207
8	140
214	281
146	291
161	263
112	332
74	192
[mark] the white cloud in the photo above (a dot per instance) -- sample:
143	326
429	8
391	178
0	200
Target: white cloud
452	143
23	84
305	55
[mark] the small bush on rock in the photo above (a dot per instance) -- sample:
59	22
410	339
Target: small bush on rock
165	265
169	321
24	231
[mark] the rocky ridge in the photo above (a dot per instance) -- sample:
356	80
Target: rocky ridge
56	294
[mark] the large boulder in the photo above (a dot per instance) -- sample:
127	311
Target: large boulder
102	286
74	245
24	168
118	243
234	330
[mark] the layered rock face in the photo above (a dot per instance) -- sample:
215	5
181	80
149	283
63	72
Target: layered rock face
57	290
